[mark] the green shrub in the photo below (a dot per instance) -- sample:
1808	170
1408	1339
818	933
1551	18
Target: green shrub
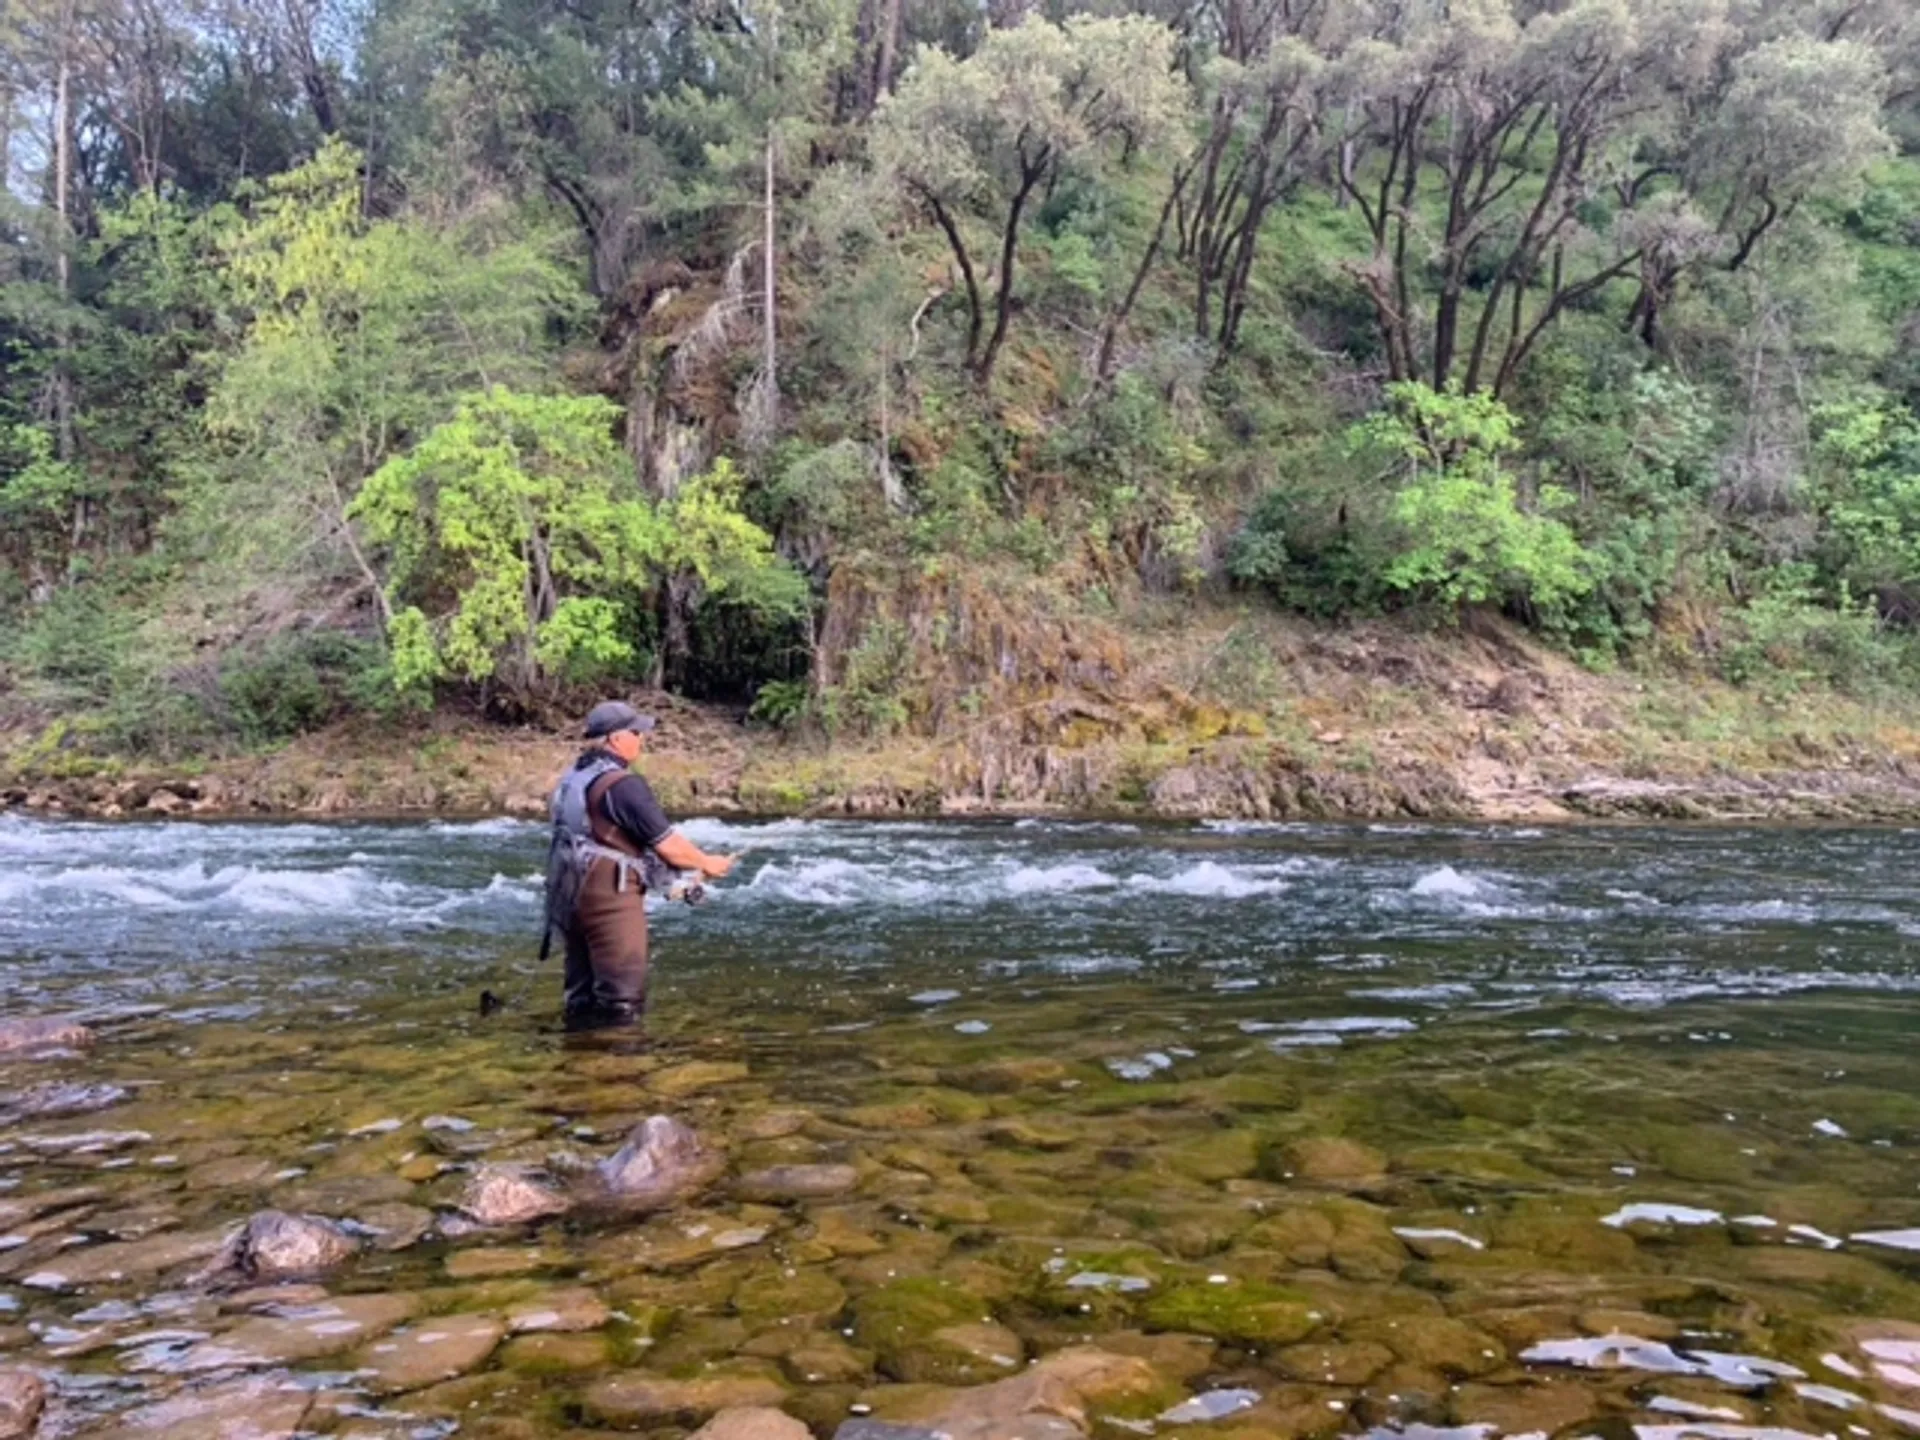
1468	538
1788	637
297	683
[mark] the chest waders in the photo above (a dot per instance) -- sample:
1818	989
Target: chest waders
573	849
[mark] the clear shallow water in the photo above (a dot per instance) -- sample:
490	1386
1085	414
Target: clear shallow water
1497	1090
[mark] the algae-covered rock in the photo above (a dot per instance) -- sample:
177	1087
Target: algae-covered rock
999	1077
1053	1399
1545	1408
564	1310
753	1423
797	1182
259	1407
1023	1134
1338	1363
1436	1342
1330	1161
433	1351
639	1399
680	1080
1248	1314
821	1358
900	1321
302	1332
1214	1155
802	1297
556	1354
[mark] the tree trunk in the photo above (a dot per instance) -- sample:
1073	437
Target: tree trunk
886	49
769	418
1003	303
63	258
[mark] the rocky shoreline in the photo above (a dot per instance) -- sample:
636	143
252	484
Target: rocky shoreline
1228	782
1367	725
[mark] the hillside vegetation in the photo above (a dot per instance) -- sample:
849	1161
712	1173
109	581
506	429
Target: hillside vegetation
1049	391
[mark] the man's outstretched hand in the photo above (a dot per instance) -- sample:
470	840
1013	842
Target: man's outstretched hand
718	867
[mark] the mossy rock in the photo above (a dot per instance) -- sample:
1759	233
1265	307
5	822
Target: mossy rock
1438	1343
1247	1314
1215	1155
804	1297
899	1321
1482	1102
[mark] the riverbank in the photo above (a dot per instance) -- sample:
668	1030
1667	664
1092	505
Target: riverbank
1247	717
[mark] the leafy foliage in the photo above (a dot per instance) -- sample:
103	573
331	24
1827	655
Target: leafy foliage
521	553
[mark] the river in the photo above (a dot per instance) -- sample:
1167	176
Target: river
1329	1129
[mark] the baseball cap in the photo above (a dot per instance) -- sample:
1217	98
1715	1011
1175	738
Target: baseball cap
610	716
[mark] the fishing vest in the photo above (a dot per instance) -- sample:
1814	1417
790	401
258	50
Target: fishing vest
575	846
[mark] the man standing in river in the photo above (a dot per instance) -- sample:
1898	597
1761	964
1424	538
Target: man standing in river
605	821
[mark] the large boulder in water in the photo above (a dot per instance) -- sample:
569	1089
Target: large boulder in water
274	1245
662	1161
509	1195
23	1395
36	1033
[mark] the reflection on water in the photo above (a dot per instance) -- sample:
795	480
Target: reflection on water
1417	1131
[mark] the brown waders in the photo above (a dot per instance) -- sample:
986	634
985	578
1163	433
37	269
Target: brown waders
606	976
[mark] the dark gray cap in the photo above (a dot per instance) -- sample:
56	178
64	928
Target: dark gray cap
610	716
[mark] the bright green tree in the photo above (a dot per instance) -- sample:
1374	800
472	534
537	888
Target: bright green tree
1468	540
522	551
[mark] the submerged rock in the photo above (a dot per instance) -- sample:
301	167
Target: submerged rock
509	1195
753	1422
573	1308
301	1332
662	1161
274	1245
23	1395
798	1182
259	1407
25	1037
636	1399
57	1098
435	1350
1053	1399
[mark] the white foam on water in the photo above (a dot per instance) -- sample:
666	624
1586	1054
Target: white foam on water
1655	1213
496	825
1057	879
1213	881
1449	882
933	997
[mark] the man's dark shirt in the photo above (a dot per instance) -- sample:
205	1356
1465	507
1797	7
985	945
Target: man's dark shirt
628	802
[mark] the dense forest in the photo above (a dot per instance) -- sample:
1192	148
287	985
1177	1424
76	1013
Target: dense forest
366	355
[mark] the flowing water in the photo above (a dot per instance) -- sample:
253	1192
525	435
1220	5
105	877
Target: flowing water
1338	1129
